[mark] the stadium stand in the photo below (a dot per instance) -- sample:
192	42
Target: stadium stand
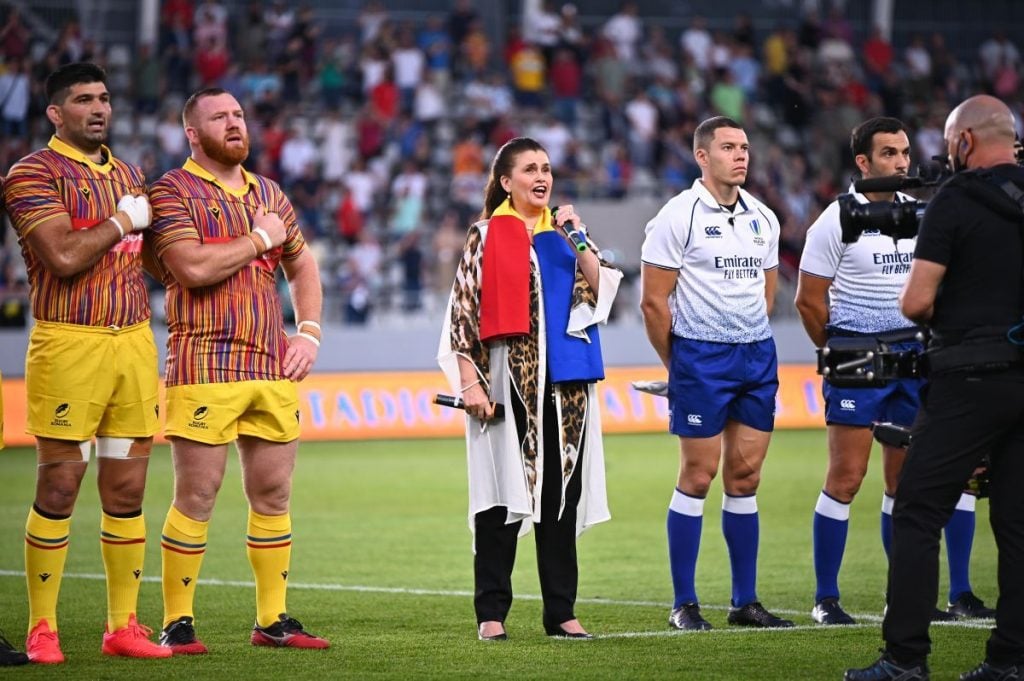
376	117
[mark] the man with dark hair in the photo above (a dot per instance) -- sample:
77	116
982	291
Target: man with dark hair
852	290
91	366
220	234
970	246
710	266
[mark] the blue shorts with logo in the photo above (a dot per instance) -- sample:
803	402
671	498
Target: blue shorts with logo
897	401
711	383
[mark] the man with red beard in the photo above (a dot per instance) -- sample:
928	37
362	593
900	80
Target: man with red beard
219	233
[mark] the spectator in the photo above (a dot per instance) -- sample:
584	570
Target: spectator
14	36
251	38
145	80
409	65
435	43
348	218
211	62
528	76
15	97
333	134
695	41
298	153
643	129
566	85
624	30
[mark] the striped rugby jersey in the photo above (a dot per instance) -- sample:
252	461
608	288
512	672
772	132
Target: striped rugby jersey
60	181
232	330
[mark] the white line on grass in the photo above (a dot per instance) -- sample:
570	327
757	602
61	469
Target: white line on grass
864	617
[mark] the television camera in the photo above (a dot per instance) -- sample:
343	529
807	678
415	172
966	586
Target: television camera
898	219
871	361
894	435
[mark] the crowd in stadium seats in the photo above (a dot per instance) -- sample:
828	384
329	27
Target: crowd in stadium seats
379	130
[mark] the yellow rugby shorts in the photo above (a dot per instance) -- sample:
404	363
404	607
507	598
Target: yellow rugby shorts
84	381
217	413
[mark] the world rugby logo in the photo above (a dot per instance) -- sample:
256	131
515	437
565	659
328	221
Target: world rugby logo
200	413
62	410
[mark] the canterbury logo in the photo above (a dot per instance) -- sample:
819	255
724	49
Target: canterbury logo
44	576
712	230
284	575
136	573
848	405
62	410
186	580
200	413
694	419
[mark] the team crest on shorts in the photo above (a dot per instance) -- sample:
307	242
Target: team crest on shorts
60	415
198	416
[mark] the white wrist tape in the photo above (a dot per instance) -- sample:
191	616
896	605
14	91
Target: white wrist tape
262	234
310	337
117	223
137	210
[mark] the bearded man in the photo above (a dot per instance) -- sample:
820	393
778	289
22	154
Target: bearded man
219	234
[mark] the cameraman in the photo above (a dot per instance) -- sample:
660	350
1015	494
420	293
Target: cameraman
852	289
966	284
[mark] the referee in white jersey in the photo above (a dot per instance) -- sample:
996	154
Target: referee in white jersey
710	266
852	289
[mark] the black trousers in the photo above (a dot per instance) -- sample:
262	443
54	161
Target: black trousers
961	418
555	537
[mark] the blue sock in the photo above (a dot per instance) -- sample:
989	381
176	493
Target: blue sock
685	518
831	522
740	527
887	502
959	538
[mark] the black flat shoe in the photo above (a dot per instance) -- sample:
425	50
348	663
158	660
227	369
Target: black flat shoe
558	632
503	636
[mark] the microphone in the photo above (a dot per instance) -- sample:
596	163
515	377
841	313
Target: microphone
457	403
887	185
579	241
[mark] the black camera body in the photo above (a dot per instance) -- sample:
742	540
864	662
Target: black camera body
870	361
895	435
897	219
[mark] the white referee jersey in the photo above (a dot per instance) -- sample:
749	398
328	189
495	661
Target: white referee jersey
867	275
721	258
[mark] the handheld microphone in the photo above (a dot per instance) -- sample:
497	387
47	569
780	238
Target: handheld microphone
457	403
887	185
579	241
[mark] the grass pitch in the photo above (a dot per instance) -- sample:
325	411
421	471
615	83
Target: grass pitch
381	566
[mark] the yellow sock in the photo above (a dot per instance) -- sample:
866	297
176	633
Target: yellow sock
46	547
182	546
123	545
269	547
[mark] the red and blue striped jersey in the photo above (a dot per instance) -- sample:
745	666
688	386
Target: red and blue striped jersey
232	330
60	181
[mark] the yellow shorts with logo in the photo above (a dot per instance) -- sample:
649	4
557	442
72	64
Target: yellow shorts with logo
83	381
217	413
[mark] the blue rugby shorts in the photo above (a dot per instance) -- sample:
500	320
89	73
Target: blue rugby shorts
711	383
